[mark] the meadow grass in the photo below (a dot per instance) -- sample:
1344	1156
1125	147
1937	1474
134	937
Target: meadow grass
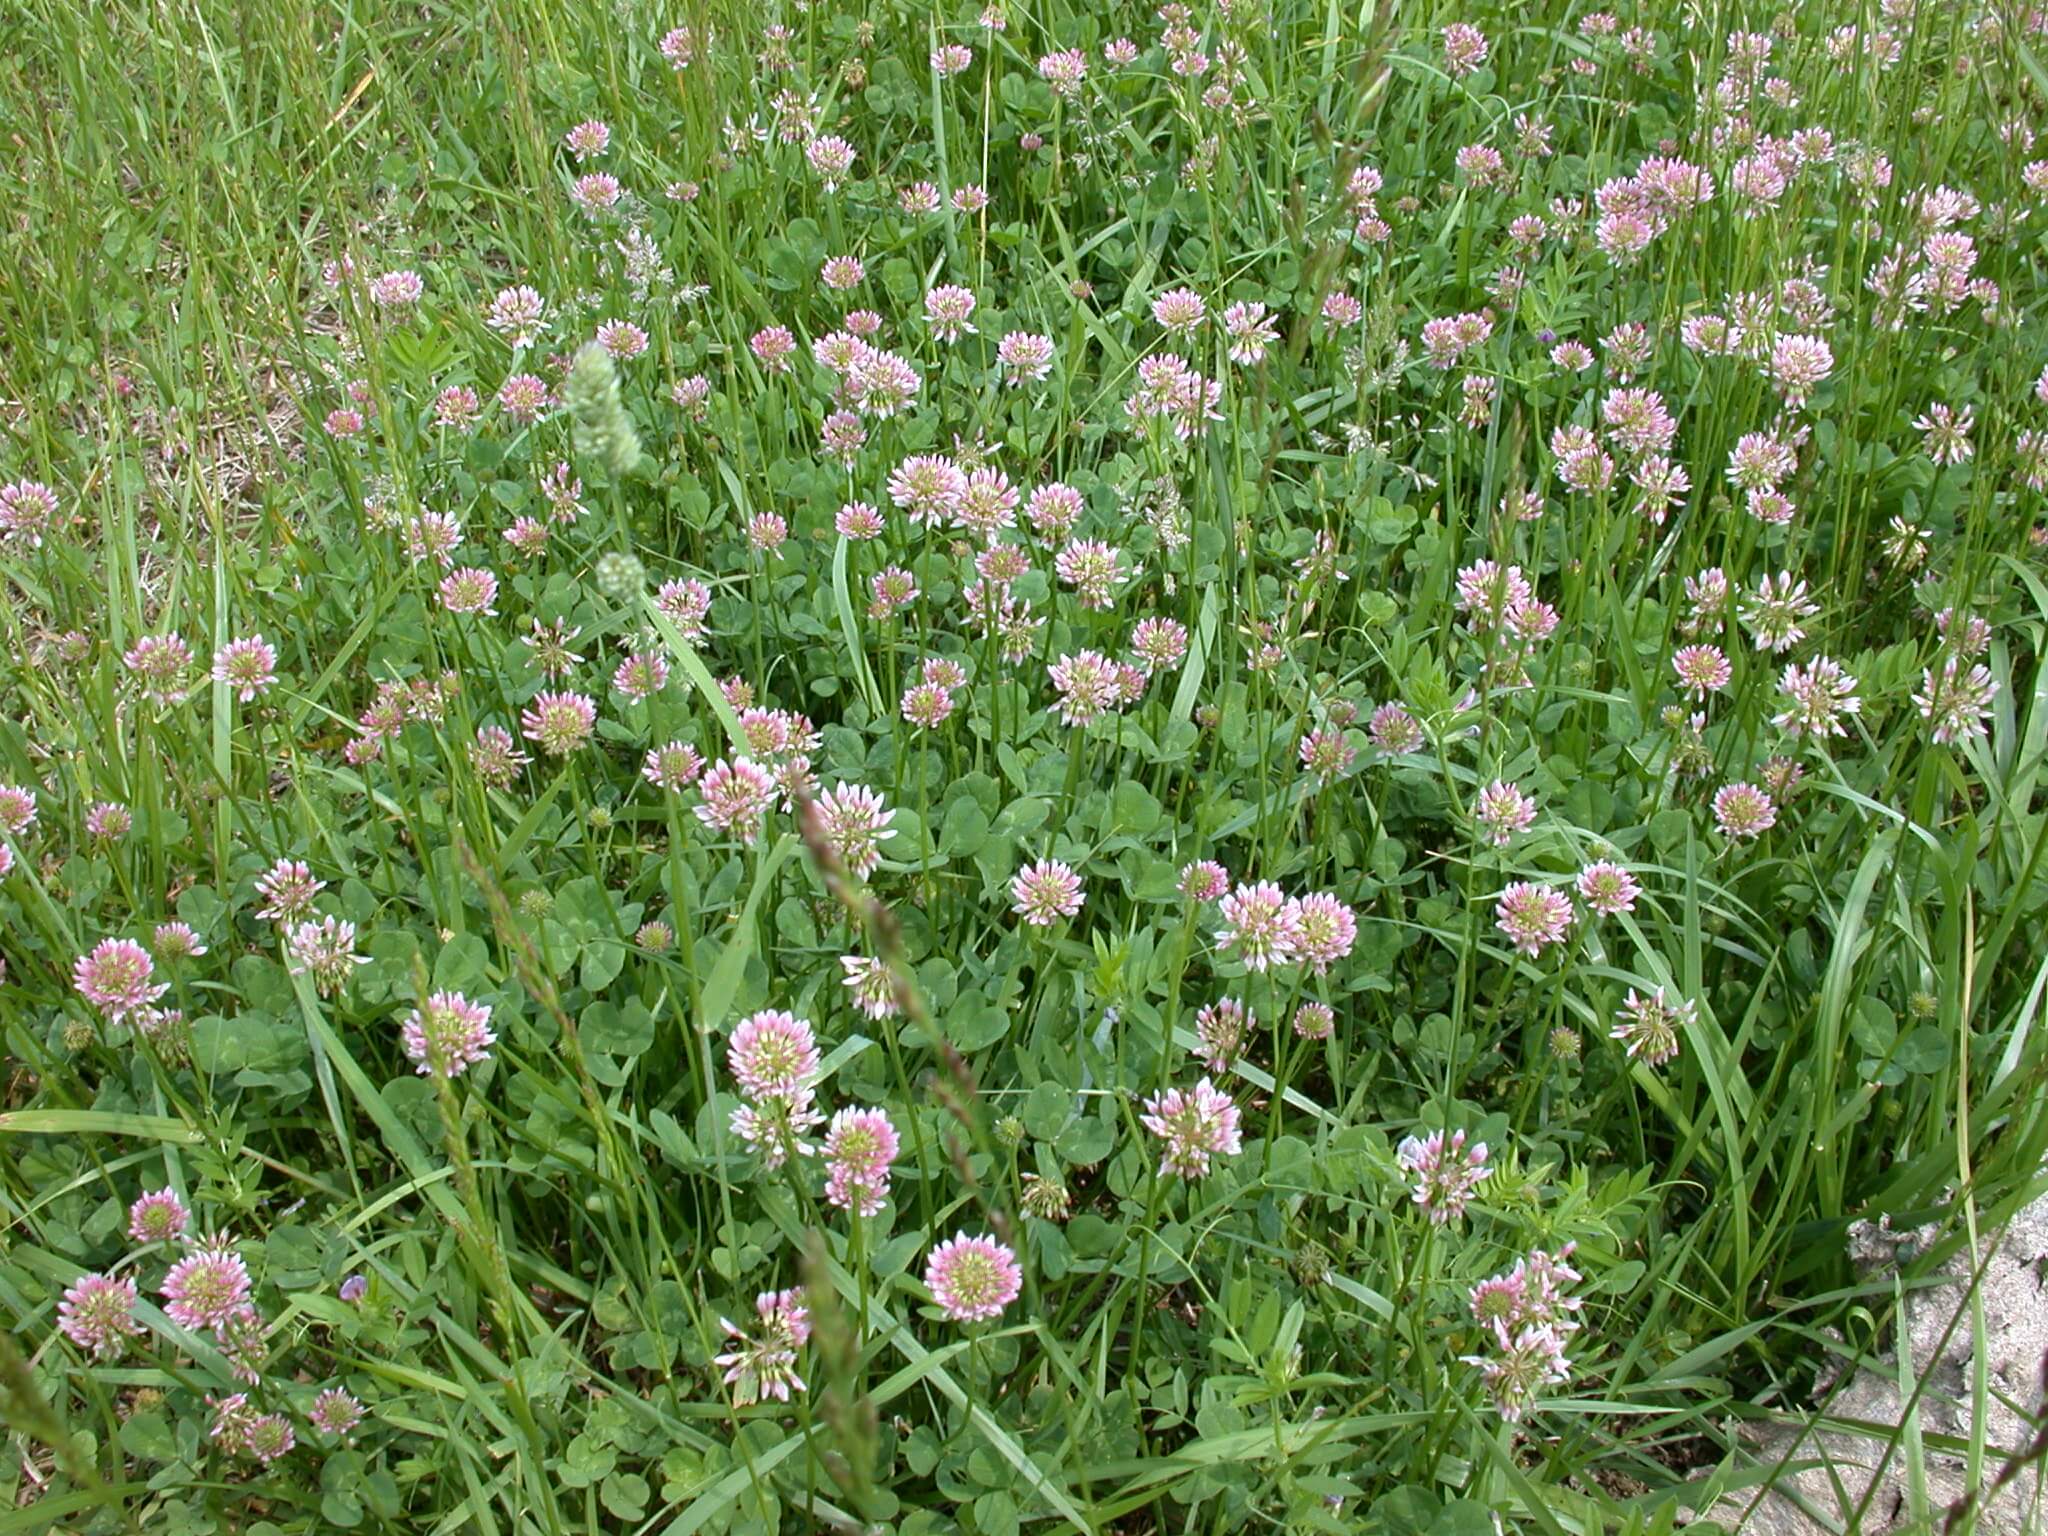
1540	509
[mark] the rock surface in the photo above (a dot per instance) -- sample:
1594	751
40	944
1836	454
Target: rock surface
1835	1494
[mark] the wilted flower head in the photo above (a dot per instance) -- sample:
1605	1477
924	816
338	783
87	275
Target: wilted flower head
232	1419
1046	1199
